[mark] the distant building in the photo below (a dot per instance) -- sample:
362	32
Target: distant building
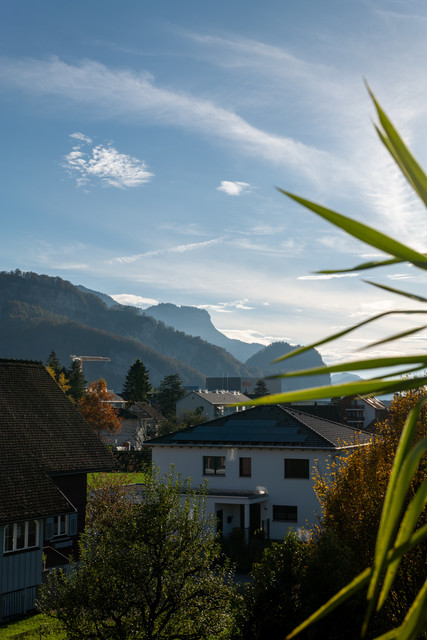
212	404
362	413
243	385
140	421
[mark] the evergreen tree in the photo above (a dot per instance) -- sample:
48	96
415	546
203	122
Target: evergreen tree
137	387
53	365
168	393
76	381
261	388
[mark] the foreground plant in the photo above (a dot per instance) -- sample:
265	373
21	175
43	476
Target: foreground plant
401	527
148	570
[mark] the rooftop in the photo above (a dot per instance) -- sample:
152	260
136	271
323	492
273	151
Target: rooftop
268	425
42	434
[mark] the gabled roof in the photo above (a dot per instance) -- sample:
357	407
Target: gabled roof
145	410
219	397
42	434
267	426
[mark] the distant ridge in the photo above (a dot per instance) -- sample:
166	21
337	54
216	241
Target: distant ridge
264	360
39	313
197	322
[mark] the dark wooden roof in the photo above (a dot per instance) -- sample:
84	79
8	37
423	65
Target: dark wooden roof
42	434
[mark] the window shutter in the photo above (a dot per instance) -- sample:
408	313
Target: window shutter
48	533
73	524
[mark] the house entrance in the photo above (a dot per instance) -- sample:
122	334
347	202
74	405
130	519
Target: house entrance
254	517
219	521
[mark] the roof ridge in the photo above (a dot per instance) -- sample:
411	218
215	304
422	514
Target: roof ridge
308	426
20	362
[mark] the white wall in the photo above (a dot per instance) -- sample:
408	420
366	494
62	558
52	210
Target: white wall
267	474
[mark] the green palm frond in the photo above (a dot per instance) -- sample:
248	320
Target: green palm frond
397	531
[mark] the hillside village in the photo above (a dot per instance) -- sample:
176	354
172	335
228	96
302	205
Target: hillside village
260	465
258	462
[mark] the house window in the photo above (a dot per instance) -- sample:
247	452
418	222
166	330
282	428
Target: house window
21	535
60	525
214	465
297	468
285	513
245	467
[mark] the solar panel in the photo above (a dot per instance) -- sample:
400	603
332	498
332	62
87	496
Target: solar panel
246	422
277	434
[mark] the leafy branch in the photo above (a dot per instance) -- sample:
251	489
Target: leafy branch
398	530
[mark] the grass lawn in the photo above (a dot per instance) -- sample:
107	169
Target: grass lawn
125	478
33	627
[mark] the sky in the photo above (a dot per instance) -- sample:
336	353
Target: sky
143	143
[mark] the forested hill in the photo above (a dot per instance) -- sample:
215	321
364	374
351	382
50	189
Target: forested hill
309	359
39	313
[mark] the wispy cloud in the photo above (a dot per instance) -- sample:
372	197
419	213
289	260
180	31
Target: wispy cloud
234	188
251	335
104	164
120	93
328	276
228	307
132	300
182	248
400	276
82	137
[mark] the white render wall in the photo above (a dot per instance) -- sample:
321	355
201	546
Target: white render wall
194	401
267	474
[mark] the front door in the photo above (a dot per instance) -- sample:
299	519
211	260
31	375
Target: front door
219	521
255	517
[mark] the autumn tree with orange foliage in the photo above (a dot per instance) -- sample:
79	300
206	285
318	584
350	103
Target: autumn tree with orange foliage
352	496
97	410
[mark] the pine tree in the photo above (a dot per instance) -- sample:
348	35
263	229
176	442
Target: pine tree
53	365
137	387
76	381
261	388
168	393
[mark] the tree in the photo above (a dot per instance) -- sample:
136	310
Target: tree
53	365
261	388
97	410
272	603
352	498
137	387
149	569
77	382
397	530
57	372
168	393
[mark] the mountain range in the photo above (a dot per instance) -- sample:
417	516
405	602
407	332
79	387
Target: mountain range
39	313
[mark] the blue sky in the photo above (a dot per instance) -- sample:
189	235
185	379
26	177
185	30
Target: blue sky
142	142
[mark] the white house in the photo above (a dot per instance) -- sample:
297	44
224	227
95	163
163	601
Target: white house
212	404
258	465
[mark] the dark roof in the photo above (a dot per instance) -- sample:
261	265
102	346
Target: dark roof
145	410
42	434
268	425
328	411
